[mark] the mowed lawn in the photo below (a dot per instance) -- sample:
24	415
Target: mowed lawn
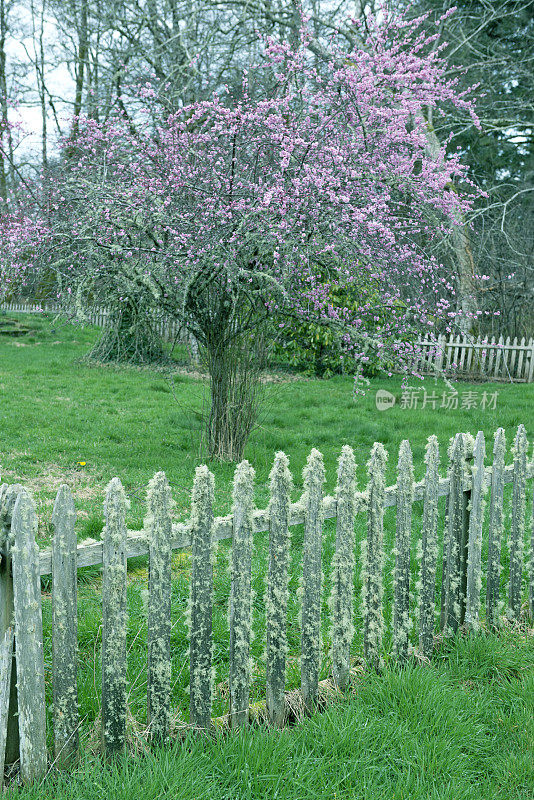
462	728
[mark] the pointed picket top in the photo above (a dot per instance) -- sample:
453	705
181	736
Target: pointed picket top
116	504
159	502
7	507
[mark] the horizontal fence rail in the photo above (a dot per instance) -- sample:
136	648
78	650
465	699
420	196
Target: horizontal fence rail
458	563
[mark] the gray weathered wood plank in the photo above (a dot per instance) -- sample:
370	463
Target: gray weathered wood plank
495	530
240	604
474	550
429	550
29	640
403	538
342	598
65	628
159	525
114	620
201	600
6	659
311	584
517	528
276	597
373	559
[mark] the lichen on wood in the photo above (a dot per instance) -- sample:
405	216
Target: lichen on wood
276	597
517	527
452	540
200	610
311	583
65	626
342	597
114	619
29	640
496	529
474	550
158	525
403	537
428	551
373	558
240	604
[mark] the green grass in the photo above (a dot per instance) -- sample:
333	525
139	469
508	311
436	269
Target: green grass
56	411
461	729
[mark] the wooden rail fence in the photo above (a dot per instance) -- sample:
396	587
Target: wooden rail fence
459	563
169	329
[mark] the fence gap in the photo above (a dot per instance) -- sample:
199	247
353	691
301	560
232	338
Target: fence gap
401	575
429	550
474	548
310	651
65	628
159	528
114	620
201	599
277	588
342	597
517	528
29	640
373	558
495	531
240	605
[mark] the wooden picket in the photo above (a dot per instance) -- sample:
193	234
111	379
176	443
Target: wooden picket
463	577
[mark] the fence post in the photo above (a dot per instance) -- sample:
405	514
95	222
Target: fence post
474	547
65	627
159	527
342	598
373	558
517	528
496	527
201	599
29	640
310	654
401	575
114	620
240	605
429	550
276	597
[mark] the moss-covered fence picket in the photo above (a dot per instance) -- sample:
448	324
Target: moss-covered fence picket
22	681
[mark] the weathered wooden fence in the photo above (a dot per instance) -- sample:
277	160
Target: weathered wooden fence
169	329
496	360
458	563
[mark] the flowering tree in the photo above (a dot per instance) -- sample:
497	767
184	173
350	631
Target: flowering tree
238	209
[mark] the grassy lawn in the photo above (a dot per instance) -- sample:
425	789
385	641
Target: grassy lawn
459	728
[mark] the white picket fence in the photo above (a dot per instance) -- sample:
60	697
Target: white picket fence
501	360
